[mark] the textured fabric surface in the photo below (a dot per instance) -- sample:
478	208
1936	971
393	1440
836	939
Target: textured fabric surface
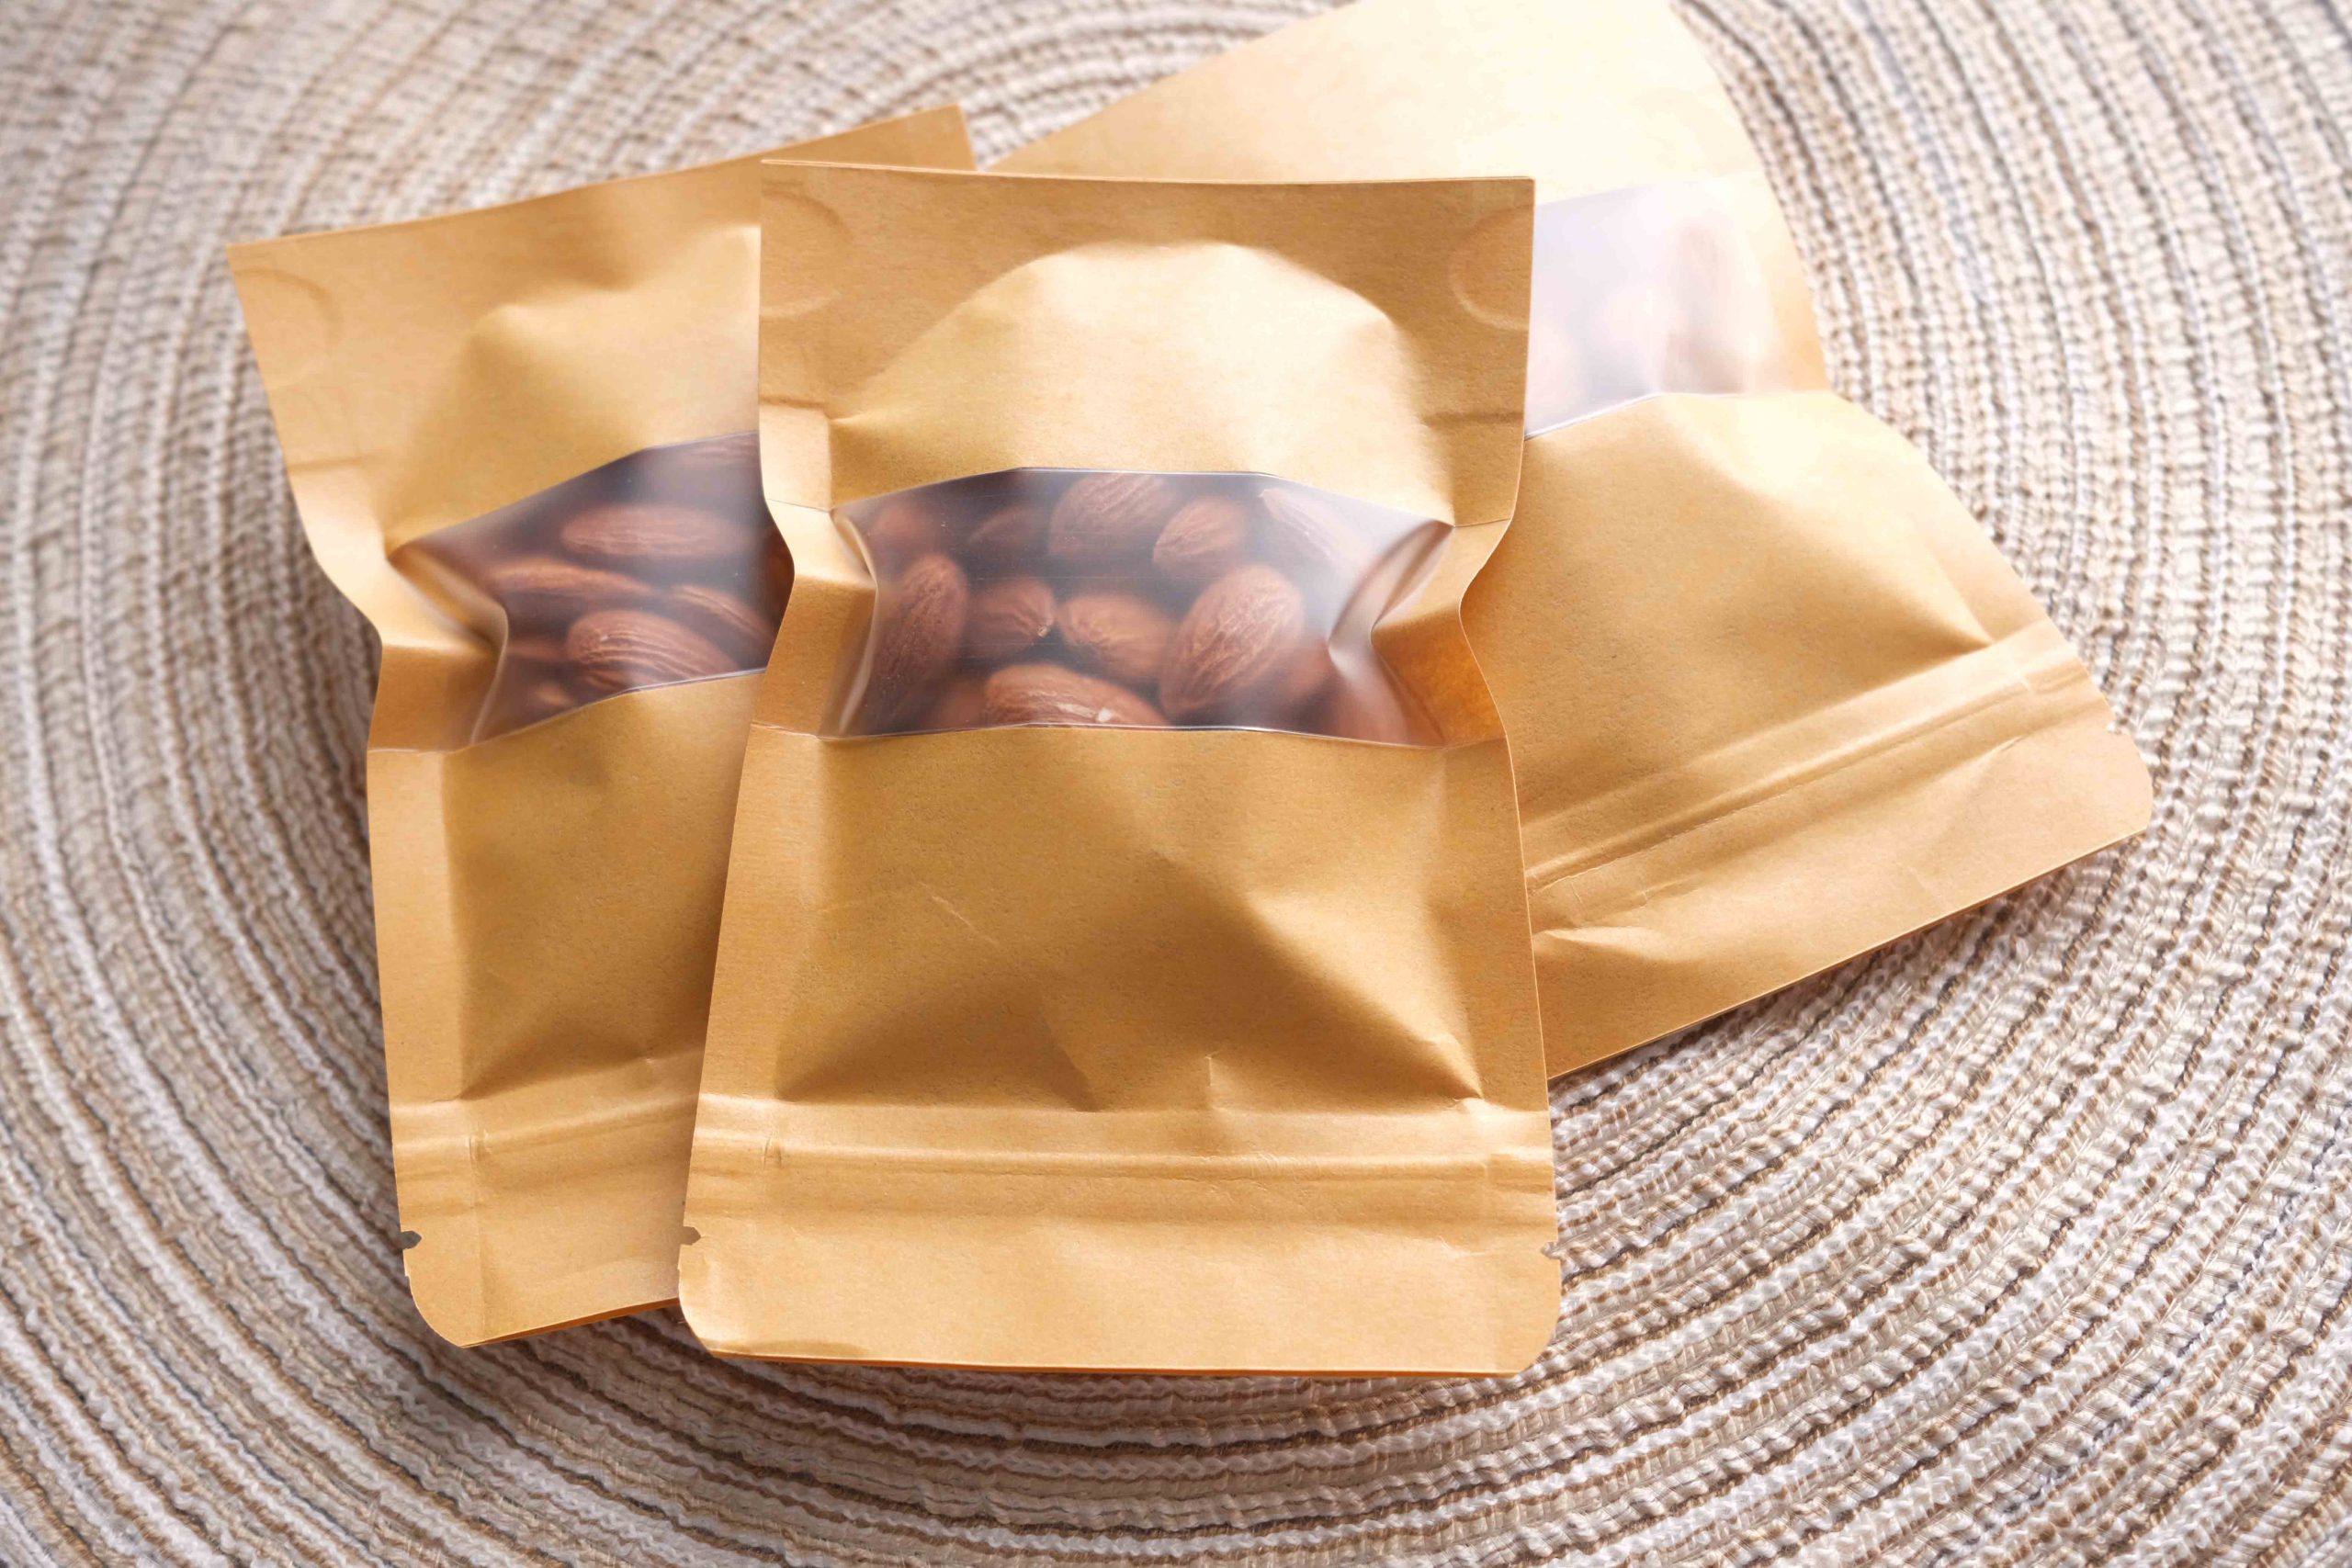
2027	1240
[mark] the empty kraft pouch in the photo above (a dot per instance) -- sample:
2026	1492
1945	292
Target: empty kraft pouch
1773	697
520	439
1125	962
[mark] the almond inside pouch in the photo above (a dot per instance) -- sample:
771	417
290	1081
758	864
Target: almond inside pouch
1144	1017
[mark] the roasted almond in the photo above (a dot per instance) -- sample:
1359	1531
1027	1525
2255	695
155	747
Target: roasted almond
540	589
1209	537
903	529
1009	617
524	648
958	704
1309	538
1048	693
734	625
1293	699
617	651
532	659
1007	535
1235	643
1123	635
918	632
644	535
1308	675
1105	519
723	470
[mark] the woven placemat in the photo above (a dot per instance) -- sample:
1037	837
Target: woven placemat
2027	1240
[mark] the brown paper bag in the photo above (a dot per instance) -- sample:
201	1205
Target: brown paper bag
1124	960
1773	698
520	439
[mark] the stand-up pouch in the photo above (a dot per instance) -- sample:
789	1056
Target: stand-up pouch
1773	697
520	439
1125	962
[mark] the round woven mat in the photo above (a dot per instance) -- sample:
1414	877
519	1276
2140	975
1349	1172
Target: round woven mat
2027	1240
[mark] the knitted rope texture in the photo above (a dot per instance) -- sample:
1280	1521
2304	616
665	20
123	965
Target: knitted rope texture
2025	1241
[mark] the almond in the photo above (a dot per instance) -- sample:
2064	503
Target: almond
734	625
1235	643
1123	635
1294	696
1310	538
1310	674
641	534
1008	536
1047	693
902	529
1293	699
725	469
533	647
1109	518
958	704
617	651
1209	537
918	632
549	588
1009	617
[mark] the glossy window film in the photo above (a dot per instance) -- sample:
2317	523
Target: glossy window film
660	568
1652	289
1132	599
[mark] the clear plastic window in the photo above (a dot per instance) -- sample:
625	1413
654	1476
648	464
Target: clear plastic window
1049	596
659	567
1650	289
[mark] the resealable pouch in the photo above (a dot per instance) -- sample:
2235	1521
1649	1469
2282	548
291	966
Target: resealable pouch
1125	962
1773	697
521	441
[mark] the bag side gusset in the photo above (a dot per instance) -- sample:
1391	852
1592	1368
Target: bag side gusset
1906	735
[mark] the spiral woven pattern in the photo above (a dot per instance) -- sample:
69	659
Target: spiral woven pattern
2025	1241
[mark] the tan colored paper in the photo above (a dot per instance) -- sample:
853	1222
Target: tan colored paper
546	902
1180	1050
1774	699
1827	716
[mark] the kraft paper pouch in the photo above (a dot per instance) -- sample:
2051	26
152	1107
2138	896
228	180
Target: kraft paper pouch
521	441
1773	697
1124	964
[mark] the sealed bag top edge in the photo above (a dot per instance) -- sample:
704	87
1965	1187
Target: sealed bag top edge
1369	338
